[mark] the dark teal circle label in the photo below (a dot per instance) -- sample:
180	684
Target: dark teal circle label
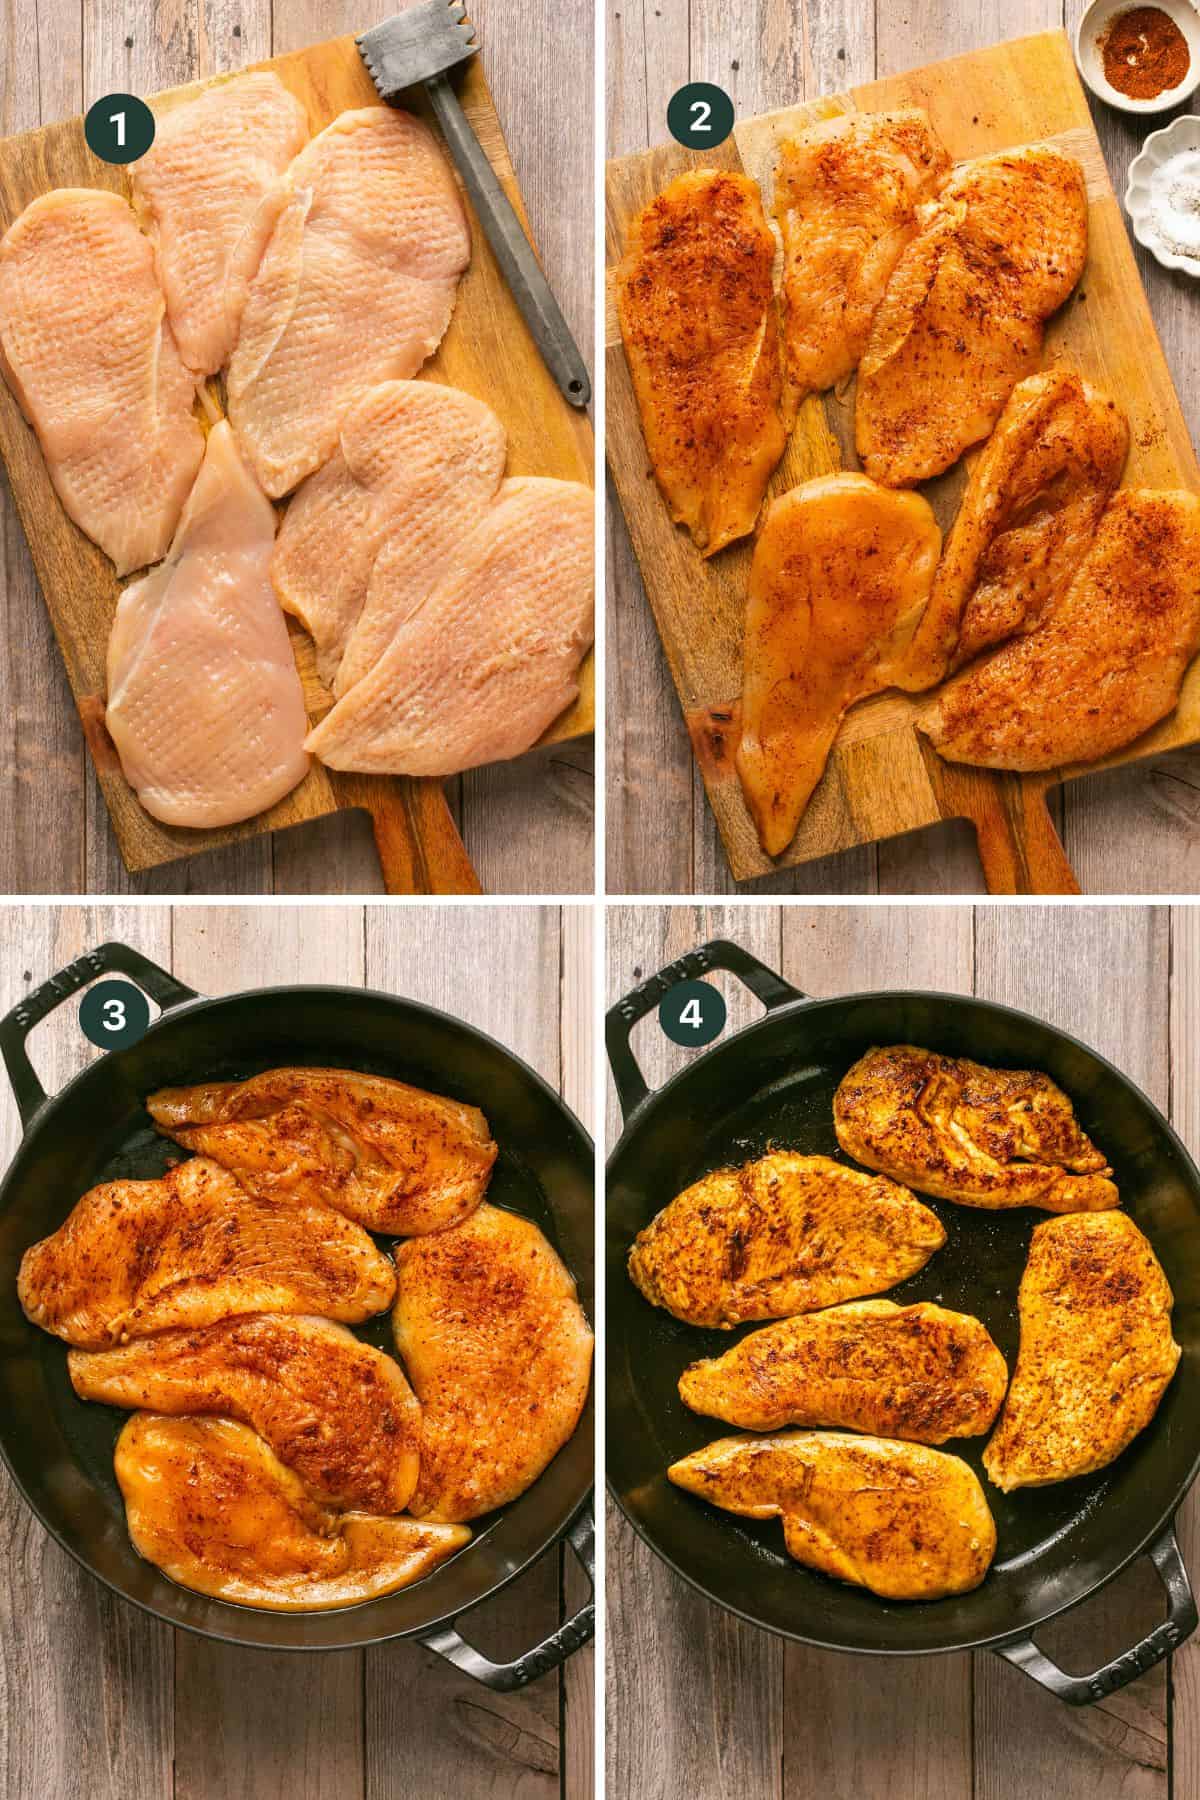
692	1013
119	128
700	115
113	1014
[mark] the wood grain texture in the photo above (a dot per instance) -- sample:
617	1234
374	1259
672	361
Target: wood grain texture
1149	844
487	350
681	1672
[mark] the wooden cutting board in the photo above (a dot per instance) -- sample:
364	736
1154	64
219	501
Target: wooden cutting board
487	351
883	778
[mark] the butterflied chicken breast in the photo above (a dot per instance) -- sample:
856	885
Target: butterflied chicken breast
1026	522
846	198
962	319
336	1411
488	660
917	1372
841	574
499	1351
137	1257
390	1156
701	331
356	286
1103	664
1096	1352
210	1505
205	704
907	1522
200	190
786	1234
87	351
415	468
966	1132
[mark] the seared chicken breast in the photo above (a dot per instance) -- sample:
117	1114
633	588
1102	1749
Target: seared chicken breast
917	1372
499	1351
700	326
907	1522
962	1131
137	1257
211	1505
1096	1352
336	1411
389	1156
785	1234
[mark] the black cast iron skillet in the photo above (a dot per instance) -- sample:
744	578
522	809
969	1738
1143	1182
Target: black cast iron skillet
59	1449
772	1084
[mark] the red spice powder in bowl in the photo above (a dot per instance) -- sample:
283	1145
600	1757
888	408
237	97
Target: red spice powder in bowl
1140	58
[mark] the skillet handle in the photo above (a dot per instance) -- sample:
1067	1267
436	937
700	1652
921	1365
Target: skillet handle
548	1655
1082	1690
15	1028
768	987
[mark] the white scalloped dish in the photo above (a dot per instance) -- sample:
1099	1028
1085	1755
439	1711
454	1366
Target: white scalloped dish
1144	197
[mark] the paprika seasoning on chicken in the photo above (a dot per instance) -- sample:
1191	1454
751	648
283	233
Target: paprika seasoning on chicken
1144	53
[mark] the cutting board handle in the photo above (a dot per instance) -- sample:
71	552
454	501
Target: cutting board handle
420	851
1019	848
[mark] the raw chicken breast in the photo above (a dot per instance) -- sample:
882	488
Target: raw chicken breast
355	286
85	348
136	1257
415	466
209	1504
199	191
205	705
490	659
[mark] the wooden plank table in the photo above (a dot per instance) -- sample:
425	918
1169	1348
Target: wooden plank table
108	1703
1126	831
527	825
703	1707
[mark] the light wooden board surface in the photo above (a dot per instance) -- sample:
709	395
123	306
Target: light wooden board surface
526	825
661	834
101	1701
702	1707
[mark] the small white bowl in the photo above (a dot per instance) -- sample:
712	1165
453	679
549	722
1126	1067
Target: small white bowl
1091	29
1159	147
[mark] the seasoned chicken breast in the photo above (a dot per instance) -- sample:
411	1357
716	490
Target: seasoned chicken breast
846	198
965	1132
1103	664
209	1504
389	1156
1027	519
962	319
785	1234
698	317
907	1522
841	574
500	1353
917	1372
336	1411
136	1257
1096	1352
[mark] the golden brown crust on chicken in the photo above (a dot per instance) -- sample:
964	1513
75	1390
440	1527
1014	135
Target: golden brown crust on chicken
136	1257
209	1504
1105	661
1026	521
916	1372
392	1157
841	575
499	1351
701	330
965	1132
785	1234
846	196
1096	1352
907	1522
961	321
336	1411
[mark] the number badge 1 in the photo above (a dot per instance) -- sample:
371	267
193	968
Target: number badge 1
114	1014
692	1013
119	128
700	116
